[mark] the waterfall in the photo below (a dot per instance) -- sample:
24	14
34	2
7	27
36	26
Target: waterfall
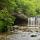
31	21
34	22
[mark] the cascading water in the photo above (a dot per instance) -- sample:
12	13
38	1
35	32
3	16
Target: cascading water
34	23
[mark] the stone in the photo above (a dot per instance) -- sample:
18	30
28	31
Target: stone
33	35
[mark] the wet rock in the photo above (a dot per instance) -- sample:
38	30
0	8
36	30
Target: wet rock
33	35
15	27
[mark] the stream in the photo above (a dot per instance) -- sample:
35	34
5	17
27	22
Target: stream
24	36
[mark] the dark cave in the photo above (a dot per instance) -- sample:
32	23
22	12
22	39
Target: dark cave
20	21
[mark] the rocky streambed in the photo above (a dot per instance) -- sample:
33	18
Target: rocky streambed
21	33
21	36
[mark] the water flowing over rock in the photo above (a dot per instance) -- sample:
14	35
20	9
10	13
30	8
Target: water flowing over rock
24	36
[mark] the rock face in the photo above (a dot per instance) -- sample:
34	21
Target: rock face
20	15
21	19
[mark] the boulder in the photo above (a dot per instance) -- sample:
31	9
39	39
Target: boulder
20	15
33	35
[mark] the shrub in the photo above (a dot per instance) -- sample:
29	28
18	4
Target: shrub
6	19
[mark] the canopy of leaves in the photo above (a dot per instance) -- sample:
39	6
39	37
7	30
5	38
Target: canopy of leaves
27	7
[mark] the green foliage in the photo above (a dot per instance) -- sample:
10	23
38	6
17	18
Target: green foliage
2	27
7	7
6	20
27	7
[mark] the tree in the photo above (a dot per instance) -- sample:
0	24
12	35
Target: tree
27	7
6	19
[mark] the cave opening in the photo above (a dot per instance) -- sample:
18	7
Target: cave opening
20	21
